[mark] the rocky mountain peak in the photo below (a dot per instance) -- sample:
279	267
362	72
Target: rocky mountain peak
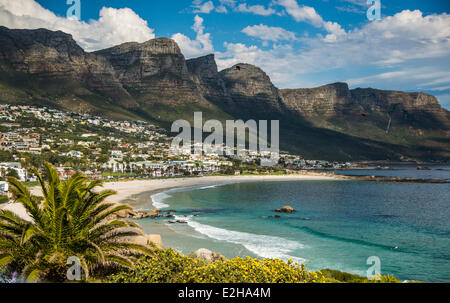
202	68
162	46
28	49
248	80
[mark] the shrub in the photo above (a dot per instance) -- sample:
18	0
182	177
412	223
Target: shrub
339	276
168	266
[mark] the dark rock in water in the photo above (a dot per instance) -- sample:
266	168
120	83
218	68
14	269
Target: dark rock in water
423	168
170	216
286	209
172	222
181	222
277	216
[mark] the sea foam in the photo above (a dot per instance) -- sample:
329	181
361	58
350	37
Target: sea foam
264	246
157	200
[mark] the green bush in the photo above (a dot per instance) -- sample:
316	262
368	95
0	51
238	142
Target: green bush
168	266
343	277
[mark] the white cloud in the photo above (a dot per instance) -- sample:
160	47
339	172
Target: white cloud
303	13
269	33
204	8
389	47
229	3
222	9
115	26
255	9
202	44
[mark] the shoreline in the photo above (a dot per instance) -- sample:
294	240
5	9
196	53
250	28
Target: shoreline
127	191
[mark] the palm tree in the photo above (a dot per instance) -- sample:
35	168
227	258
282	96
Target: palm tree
70	220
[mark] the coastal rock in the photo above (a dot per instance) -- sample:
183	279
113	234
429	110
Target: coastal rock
131	214
126	213
286	209
207	255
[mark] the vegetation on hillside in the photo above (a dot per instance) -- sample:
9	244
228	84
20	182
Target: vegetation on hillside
168	266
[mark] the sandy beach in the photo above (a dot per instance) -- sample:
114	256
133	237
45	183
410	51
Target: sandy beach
127	190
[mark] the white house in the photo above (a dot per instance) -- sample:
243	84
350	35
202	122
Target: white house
75	154
4	186
116	153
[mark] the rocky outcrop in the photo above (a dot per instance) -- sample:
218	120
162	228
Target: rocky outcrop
56	63
325	99
131	214
286	209
153	71
203	69
207	255
338	98
250	87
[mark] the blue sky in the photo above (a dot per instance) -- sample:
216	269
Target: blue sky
299	43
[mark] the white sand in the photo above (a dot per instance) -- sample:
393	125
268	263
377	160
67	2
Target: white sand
128	189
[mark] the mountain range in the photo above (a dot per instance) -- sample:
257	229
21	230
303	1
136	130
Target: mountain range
153	81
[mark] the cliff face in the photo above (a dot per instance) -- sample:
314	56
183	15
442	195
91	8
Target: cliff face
154	71
153	81
326	99
242	89
54	59
249	85
338	98
41	51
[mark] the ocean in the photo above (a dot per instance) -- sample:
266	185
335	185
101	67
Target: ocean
338	224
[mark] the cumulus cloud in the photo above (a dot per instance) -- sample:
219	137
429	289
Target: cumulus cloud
255	9
303	13
269	33
115	26
388	48
204	8
222	9
202	44
229	3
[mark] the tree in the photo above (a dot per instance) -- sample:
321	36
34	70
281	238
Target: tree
12	173
71	220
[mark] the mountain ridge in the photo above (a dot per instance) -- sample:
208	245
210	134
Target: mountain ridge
154	81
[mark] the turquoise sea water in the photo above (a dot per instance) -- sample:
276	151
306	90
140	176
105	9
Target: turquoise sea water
338	224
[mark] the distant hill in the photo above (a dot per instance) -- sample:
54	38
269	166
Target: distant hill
154	82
